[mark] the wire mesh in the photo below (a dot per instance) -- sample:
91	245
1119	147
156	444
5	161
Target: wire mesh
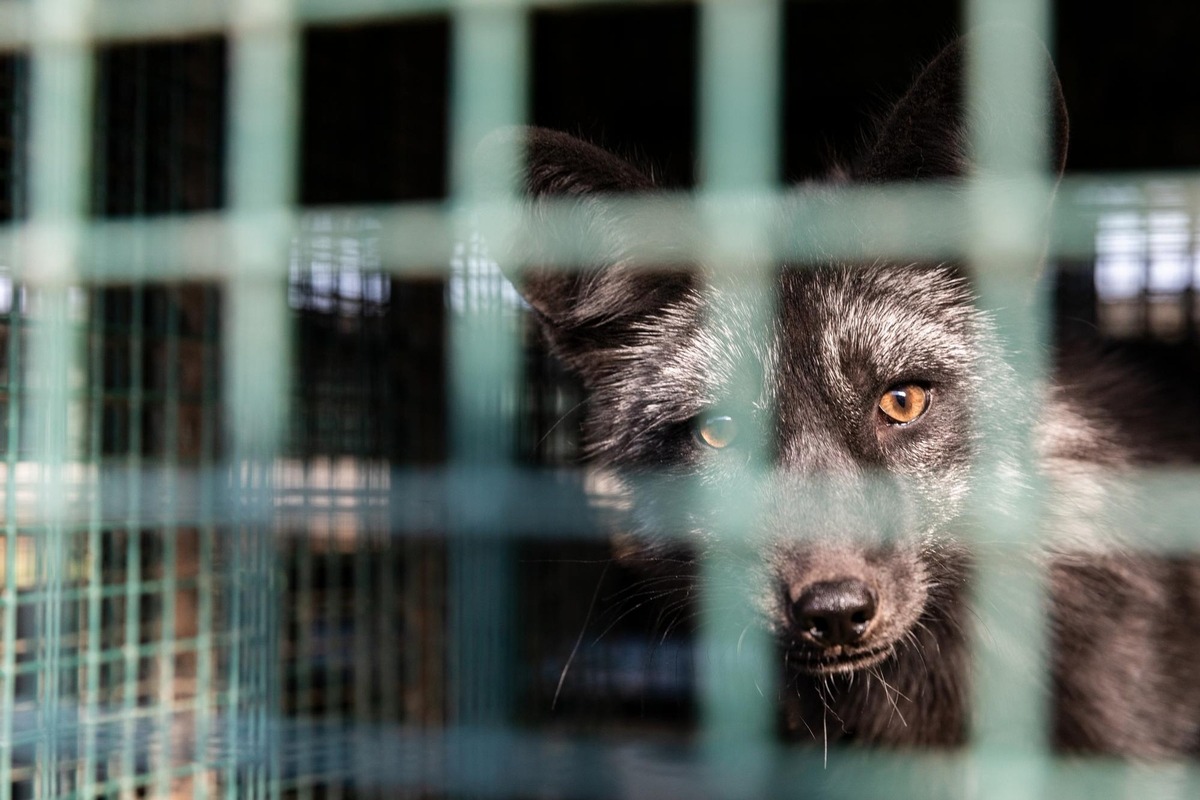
278	481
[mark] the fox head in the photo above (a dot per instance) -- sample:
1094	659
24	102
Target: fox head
860	402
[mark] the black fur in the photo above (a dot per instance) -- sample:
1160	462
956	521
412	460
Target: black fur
851	498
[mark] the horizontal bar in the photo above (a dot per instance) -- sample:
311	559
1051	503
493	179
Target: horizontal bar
416	501
135	20
342	500
86	591
112	655
513	762
855	223
73	721
506	762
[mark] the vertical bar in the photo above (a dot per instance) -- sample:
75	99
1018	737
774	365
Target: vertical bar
262	145
170	553
364	585
50	361
489	78
389	669
14	387
334	683
171	330
739	130
393	679
263	73
307	614
133	544
16	336
206	693
740	50
490	69
1010	198
60	123
95	533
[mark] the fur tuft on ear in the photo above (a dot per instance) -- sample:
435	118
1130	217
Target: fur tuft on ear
560	164
585	311
924	136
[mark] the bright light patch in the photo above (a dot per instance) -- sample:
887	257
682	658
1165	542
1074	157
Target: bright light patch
1140	252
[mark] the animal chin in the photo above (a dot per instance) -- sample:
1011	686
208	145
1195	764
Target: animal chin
838	660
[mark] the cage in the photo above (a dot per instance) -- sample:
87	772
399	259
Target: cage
295	499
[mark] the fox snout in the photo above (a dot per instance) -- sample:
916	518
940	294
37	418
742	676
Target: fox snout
841	624
844	607
832	613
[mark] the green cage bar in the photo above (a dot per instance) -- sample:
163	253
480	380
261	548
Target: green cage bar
60	93
1009	736
262	139
487	94
739	152
122	540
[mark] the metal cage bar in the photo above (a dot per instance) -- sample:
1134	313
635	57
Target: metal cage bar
238	728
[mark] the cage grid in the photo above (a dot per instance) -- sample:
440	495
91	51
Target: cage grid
226	576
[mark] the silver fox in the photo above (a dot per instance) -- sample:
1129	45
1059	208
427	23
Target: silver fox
876	392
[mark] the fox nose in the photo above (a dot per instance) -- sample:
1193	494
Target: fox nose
833	613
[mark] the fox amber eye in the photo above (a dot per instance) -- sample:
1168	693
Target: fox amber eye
904	403
717	431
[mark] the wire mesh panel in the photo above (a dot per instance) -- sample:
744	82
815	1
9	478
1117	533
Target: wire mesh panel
298	503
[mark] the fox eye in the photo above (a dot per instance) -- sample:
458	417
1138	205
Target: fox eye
717	431
904	403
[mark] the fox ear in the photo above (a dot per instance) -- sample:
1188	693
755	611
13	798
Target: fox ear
925	135
596	306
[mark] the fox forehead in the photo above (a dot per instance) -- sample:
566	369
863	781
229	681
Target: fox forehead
866	329
843	329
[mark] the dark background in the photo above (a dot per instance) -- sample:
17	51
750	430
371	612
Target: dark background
626	78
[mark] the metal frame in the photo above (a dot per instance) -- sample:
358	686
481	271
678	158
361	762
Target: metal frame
239	742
